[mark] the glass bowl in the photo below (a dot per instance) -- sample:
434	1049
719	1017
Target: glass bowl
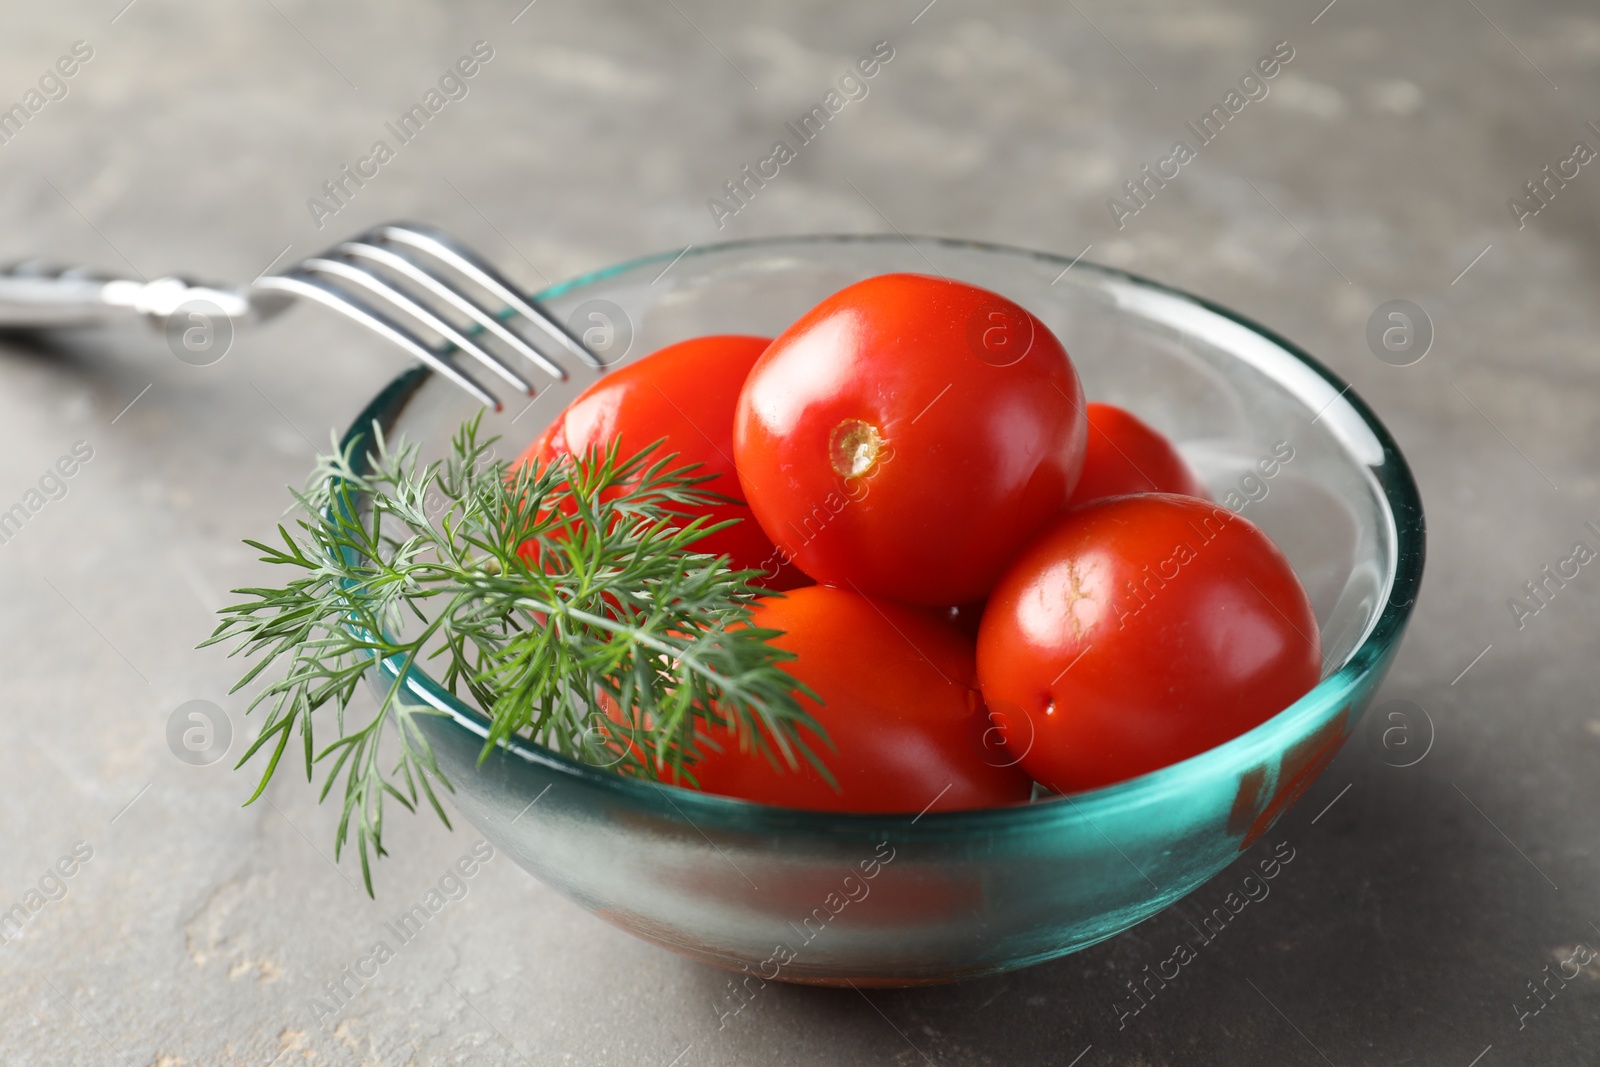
900	900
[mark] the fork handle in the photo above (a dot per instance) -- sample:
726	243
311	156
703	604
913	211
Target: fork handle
38	297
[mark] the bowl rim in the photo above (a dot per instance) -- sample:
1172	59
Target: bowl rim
1257	745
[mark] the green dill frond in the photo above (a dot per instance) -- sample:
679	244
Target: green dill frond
566	601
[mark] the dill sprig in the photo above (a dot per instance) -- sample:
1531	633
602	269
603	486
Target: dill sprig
565	600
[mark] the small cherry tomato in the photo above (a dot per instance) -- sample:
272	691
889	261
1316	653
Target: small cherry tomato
1125	455
685	393
900	705
1138	631
908	435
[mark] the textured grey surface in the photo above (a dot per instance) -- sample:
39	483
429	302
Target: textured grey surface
1419	905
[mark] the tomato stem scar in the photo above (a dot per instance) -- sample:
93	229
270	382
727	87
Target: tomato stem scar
854	447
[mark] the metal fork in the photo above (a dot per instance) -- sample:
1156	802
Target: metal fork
427	285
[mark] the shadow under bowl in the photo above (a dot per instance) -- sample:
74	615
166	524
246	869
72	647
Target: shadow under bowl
900	900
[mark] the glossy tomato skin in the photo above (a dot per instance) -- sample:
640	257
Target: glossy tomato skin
1125	455
900	705
908	435
686	393
1138	631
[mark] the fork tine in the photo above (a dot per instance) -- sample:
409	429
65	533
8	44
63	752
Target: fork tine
359	275
404	265
442	246
302	283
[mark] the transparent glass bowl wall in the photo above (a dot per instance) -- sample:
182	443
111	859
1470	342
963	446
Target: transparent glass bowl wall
811	897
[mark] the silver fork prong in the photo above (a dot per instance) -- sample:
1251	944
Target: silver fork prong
483	316
361	276
442	246
302	283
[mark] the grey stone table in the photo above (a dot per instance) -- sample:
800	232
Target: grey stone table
1423	900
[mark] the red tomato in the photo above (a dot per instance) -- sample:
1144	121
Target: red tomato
899	702
1139	631
1125	455
908	435
685	393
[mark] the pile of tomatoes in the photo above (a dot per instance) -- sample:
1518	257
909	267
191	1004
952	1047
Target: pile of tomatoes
988	581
